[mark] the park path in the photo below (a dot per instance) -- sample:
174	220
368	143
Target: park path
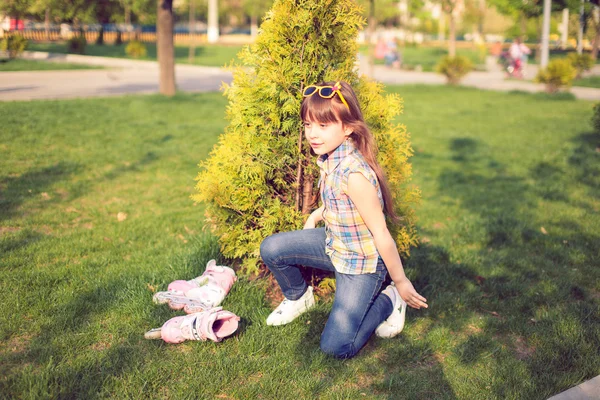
122	76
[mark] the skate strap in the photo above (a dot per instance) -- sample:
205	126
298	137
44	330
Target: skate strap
203	323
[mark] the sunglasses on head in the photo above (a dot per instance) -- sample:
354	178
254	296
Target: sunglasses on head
326	92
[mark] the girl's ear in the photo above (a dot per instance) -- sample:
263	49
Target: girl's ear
347	131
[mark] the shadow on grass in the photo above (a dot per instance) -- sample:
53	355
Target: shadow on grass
585	160
21	240
46	364
536	310
31	186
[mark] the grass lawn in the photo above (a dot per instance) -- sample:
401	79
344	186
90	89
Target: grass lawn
210	55
509	259
33	65
588	81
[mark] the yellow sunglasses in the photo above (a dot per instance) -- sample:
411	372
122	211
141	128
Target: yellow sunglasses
326	92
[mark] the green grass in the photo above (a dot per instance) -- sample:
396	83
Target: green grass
209	55
509	261
33	65
588	81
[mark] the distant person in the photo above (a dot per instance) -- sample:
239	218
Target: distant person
519	53
392	56
525	52
355	243
380	49
496	49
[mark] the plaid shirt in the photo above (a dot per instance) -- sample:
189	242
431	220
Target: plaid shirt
349	243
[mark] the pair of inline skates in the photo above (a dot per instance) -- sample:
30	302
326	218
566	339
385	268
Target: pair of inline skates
200	299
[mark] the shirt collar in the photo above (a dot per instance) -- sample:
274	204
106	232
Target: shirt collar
329	162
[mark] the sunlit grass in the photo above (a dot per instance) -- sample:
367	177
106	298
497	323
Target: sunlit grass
509	258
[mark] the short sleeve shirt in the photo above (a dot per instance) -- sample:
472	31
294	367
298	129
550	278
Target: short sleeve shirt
349	243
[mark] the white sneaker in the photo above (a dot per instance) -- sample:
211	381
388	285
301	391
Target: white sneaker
395	322
289	310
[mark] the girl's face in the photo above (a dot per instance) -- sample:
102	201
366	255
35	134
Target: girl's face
325	137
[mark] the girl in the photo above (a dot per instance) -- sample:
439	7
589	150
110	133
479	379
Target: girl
355	243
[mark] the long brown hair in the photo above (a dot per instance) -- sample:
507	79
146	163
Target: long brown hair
315	108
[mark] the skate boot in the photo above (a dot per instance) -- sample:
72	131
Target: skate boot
201	293
214	324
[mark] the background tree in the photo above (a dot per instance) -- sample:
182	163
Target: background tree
165	47
449	8
261	177
16	9
386	11
256	9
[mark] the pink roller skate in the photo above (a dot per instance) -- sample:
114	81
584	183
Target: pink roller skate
201	293
214	324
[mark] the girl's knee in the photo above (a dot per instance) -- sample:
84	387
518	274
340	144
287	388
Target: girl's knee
269	250
337	349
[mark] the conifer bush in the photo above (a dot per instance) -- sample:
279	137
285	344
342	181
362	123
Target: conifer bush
581	62
136	49
261	177
559	73
14	45
454	68
77	44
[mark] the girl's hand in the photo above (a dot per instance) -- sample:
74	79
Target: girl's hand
310	223
410	295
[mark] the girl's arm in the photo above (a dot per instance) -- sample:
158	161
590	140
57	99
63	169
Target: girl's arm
314	218
364	196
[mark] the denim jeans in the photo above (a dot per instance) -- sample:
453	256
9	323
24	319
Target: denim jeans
358	308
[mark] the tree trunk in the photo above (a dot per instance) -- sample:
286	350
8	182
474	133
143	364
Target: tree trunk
299	173
166	50
370	37
596	43
213	21
47	24
100	38
192	49
308	198
452	35
480	22
253	26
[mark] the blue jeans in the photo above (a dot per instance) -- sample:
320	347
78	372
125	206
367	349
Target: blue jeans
358	308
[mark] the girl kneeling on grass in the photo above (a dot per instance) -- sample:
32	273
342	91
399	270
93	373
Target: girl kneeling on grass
355	243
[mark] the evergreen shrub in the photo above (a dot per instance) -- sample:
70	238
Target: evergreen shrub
77	44
581	62
136	49
559	73
261	177
14	45
454	68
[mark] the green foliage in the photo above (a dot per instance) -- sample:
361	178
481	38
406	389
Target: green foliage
581	62
14	45
596	118
136	49
559	73
252	182
454	68
77	44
